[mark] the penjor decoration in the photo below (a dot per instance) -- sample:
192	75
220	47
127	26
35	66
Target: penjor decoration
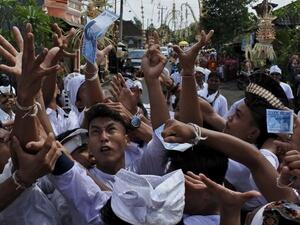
265	35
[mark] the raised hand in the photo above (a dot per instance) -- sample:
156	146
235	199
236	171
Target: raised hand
187	58
12	55
31	167
290	172
177	132
62	41
123	94
153	63
33	69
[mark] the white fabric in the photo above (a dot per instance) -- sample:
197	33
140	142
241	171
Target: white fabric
258	219
287	90
176	77
72	85
60	120
105	178
299	114
219	101
234	106
75	140
241	178
4	117
201	220
166	72
83	193
7	89
145	199
134	83
32	207
275	69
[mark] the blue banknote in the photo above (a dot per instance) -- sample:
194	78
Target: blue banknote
95	29
280	121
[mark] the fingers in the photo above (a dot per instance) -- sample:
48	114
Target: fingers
7	55
178	50
156	38
51	70
35	145
107	49
174	139
47	144
57	29
54	153
284	146
19	38
16	148
40	58
7	46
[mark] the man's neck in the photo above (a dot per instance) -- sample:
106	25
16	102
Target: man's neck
111	169
211	91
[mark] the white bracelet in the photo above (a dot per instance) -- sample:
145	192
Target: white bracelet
17	182
291	180
30	110
198	136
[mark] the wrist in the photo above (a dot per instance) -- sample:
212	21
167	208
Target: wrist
22	180
187	72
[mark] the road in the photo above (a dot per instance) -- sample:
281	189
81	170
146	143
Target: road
228	89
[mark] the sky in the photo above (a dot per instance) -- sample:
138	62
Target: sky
132	8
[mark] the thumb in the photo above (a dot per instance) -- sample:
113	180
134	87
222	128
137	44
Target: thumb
47	145
15	147
250	194
177	49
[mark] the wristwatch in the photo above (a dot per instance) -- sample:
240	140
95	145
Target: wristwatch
135	121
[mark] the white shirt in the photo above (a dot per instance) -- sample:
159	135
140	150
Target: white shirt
234	106
201	220
60	121
4	117
32	207
299	114
218	101
241	178
176	77
287	90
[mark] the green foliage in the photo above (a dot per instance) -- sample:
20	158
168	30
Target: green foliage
228	18
137	22
18	13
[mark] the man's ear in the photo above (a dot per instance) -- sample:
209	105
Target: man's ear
127	139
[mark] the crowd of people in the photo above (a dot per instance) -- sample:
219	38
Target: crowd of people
73	152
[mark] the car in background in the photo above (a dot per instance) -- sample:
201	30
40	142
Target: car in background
135	57
164	50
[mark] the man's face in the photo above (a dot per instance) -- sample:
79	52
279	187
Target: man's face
213	83
241	123
276	76
200	77
107	141
7	101
82	97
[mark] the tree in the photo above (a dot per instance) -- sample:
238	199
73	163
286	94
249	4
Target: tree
228	18
138	23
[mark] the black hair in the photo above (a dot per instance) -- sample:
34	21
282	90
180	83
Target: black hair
101	110
213	74
258	105
110	218
199	159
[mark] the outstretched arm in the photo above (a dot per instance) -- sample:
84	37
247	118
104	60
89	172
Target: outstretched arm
263	172
152	66
188	95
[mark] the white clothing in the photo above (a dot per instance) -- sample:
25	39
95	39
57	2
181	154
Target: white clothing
60	121
234	106
176	77
241	178
4	117
299	114
105	178
218	101
32	207
76	117
201	220
287	90
82	192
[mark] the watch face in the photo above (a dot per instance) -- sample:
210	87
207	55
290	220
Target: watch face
135	121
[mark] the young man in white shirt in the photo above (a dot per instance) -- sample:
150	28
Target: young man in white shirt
276	73
213	96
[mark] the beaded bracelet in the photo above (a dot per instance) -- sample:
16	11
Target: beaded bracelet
198	136
30	110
